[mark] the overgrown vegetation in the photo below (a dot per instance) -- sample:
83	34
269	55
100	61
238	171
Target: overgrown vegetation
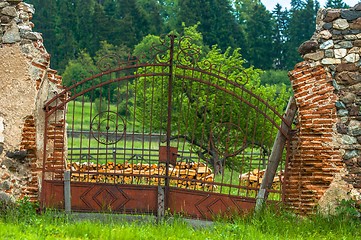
22	222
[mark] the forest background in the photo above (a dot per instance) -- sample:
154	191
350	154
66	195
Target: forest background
81	31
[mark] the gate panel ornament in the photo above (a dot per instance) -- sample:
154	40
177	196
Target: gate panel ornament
177	121
108	127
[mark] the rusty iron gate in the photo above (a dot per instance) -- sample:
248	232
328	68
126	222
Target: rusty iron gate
166	131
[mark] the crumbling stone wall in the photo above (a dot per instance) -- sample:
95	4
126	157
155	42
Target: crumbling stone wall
26	83
325	164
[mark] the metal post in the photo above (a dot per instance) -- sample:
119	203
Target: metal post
67	193
169	121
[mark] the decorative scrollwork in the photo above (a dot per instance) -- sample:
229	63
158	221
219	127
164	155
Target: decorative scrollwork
188	54
108	127
108	62
228	139
160	52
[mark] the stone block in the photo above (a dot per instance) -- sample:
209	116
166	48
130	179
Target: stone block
354	128
330	61
308	47
356	25
350	67
357	43
352	58
344	44
332	15
325	34
329	53
12	35
327	45
350	154
9	11
314	56
355	50
4	4
5	19
327	26
340	24
350	37
350	15
340	53
348	140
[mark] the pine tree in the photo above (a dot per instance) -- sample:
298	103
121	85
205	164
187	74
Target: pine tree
128	24
336	4
45	23
217	21
259	37
151	9
65	43
281	21
85	10
301	28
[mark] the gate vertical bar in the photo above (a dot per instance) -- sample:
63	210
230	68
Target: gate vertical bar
169	120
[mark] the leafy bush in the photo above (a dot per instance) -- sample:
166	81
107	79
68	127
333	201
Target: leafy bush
349	209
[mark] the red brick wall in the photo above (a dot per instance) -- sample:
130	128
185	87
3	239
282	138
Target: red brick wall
28	143
314	156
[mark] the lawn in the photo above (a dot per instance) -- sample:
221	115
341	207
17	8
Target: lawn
23	223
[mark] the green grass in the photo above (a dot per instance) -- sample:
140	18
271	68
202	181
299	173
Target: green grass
19	224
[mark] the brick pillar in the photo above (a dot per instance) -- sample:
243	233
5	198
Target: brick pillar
314	157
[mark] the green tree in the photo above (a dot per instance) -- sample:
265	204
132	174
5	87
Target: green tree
301	27
101	29
78	69
336	4
151	9
212	120
45	23
130	21
169	10
259	37
281	21
217	22
275	77
84	25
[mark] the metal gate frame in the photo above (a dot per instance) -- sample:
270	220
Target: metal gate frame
152	199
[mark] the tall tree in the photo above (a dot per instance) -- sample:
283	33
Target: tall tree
45	23
301	27
151	9
84	34
259	37
101	23
169	12
281	21
336	4
128	24
66	47
217	21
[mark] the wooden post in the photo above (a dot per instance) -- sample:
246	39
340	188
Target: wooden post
67	193
161	205
276	155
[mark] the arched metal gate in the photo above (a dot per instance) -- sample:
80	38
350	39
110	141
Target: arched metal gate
161	132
